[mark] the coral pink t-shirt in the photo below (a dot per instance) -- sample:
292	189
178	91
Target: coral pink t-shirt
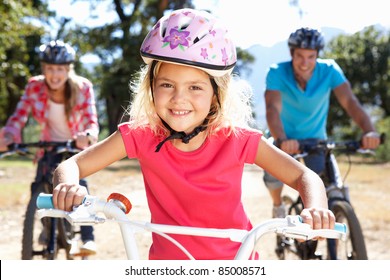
201	188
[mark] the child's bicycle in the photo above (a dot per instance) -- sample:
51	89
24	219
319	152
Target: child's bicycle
44	238
117	206
338	202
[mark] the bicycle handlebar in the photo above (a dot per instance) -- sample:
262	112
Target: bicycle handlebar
350	146
310	144
22	148
117	206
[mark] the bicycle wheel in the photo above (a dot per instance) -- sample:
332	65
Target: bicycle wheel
354	248
291	249
36	232
286	248
66	236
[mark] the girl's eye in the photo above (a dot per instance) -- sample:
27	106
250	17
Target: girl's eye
195	88
165	85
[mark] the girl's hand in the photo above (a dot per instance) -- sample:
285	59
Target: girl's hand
66	196
318	218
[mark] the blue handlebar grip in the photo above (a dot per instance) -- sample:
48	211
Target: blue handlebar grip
337	226
45	201
340	227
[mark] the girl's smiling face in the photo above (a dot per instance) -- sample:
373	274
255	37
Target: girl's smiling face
56	75
182	96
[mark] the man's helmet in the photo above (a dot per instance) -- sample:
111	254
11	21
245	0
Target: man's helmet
193	38
56	52
306	38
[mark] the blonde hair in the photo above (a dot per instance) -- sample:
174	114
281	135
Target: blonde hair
231	109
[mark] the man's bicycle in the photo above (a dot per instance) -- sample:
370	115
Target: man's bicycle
44	238
338	202
117	206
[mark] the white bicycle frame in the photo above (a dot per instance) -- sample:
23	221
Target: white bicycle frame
88	214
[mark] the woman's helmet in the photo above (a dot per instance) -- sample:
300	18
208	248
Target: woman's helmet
306	38
191	37
56	52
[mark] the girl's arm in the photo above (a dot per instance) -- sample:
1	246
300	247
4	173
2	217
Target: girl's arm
299	177
67	191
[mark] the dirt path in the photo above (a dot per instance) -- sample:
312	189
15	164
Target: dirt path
125	177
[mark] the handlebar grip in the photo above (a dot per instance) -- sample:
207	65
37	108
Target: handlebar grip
45	201
340	227
337	226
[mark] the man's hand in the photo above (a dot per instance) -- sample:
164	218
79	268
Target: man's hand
370	140
290	146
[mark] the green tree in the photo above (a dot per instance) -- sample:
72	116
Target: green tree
364	57
18	39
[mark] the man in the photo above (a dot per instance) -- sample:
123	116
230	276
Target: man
297	103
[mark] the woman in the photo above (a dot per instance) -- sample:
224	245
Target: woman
63	104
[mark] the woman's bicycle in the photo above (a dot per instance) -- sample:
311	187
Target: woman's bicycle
338	202
45	238
117	206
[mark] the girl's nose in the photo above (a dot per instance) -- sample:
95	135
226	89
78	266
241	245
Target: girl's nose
178	95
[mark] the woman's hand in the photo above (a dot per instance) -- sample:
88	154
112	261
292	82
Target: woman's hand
5	140
84	140
66	196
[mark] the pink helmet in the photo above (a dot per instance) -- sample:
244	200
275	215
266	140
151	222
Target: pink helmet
192	38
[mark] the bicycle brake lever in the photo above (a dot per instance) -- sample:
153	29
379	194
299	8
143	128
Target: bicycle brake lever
304	234
82	216
297	229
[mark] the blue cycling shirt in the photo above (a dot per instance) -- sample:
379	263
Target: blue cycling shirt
304	113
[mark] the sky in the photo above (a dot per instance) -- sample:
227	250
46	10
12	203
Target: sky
264	22
267	22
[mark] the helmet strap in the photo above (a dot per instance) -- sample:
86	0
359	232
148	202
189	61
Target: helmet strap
185	138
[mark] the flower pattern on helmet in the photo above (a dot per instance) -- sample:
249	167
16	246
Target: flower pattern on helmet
203	53
176	38
191	37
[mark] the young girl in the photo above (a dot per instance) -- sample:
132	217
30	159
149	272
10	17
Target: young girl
189	130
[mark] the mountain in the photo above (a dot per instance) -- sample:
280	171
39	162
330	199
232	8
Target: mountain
264	57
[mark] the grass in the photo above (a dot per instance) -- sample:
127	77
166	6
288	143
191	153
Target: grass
369	189
15	177
17	174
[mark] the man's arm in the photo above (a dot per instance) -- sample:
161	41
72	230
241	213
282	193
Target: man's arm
355	110
273	106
